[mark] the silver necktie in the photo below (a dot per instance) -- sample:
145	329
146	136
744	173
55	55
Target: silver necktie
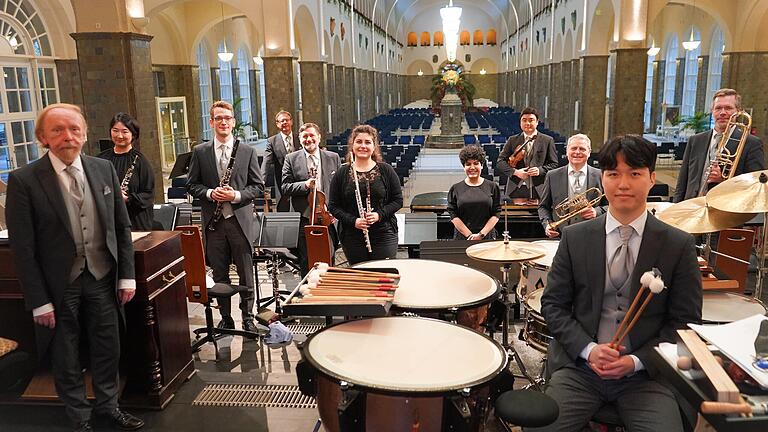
223	160
288	144
621	264
75	186
577	181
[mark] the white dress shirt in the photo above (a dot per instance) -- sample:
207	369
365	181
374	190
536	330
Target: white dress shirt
229	144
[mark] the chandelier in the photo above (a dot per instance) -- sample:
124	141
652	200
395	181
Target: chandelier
451	19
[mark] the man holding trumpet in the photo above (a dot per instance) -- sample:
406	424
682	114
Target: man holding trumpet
594	276
564	183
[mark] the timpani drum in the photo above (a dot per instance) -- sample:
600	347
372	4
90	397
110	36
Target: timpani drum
721	307
535	332
533	274
428	286
403	374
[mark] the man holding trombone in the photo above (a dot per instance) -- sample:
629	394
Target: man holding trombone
571	192
701	151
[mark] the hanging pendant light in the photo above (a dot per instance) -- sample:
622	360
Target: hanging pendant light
224	55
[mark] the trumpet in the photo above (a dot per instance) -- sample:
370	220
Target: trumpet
727	159
571	207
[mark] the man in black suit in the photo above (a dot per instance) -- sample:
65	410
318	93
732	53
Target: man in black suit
297	181
700	151
594	276
71	239
526	178
230	239
566	181
278	146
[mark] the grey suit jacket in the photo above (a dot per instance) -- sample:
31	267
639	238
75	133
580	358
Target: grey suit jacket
295	173
544	156
246	178
555	190
41	237
274	158
573	298
695	157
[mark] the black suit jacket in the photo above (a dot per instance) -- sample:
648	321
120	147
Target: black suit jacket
572	301
295	173
41	237
274	158
246	178
695	156
555	190
544	156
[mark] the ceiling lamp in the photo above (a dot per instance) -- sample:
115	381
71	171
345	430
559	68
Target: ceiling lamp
483	71
451	17
653	50
691	44
224	55
420	73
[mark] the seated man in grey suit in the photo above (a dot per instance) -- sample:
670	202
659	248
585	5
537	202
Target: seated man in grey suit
298	181
567	181
594	276
700	151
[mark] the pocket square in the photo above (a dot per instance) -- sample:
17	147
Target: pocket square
107	190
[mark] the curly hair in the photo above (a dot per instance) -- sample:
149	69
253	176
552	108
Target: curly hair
472	152
365	129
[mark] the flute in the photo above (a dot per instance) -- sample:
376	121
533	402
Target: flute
360	208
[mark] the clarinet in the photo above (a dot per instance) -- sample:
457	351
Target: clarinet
224	182
360	208
128	175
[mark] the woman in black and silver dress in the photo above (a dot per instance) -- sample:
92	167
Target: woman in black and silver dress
138	190
474	203
379	186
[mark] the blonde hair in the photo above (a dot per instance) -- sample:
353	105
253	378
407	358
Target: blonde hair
40	121
222	104
727	92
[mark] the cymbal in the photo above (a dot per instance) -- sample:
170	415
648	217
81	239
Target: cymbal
745	193
497	251
657	207
696	217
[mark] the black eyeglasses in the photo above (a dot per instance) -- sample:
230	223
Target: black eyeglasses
220	119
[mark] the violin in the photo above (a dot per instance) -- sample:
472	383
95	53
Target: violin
518	155
317	202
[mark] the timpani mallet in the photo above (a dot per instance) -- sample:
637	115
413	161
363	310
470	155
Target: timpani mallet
324	268
652	283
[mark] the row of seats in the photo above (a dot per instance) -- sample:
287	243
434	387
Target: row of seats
401	157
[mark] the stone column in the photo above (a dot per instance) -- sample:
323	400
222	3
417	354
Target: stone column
340	106
330	91
70	88
110	86
351	99
558	98
594	77
184	80
740	72
574	93
255	75
628	93
569	77
281	88
679	81
702	104
215	84
657	93
313	83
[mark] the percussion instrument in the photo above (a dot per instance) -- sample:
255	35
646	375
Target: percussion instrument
533	274
439	287
403	374
505	251
535	333
724	307
571	207
658	206
696	216
745	193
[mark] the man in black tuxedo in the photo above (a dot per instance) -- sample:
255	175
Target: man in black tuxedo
71	240
526	179
564	182
278	146
297	181
230	239
594	276
700	151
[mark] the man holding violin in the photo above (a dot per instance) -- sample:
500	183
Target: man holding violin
306	179
532	154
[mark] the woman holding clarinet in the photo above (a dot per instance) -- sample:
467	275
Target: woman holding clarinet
365	194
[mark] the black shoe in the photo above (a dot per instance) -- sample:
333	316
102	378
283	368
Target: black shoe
249	326
84	426
226	323
125	421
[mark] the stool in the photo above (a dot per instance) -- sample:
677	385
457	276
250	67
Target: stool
15	366
526	408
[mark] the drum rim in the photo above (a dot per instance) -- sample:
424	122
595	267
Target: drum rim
421	308
401	391
727	294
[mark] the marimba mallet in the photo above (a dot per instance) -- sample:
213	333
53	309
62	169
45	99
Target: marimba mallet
650	281
324	268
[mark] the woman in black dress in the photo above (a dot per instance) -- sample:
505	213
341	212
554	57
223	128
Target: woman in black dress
379	186
138	190
474	203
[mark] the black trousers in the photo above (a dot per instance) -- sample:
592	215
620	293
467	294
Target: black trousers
225	245
89	308
383	244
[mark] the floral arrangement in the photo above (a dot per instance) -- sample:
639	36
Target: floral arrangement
452	80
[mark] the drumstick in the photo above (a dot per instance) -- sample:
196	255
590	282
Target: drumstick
710	407
369	287
356	278
335	300
324	268
343	292
341	298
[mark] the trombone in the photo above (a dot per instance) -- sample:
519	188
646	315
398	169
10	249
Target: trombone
571	207
729	160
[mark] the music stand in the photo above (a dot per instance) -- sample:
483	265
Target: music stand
181	166
276	233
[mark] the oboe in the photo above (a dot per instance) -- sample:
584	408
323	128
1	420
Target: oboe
128	175
223	182
360	208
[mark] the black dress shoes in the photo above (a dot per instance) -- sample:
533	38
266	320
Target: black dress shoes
249	326
125	421
226	323
84	426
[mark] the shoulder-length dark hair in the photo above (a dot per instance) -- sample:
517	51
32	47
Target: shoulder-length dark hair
370	130
129	122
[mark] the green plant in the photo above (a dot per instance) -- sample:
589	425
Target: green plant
698	122
461	85
239	130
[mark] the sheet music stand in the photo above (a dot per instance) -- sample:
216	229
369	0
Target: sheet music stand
276	233
181	166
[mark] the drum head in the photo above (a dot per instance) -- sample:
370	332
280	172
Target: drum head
551	247
405	354
533	300
725	307
437	285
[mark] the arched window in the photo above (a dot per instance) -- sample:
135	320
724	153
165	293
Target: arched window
670	70
225	77
205	90
715	65
478	37
244	81
464	38
691	77
648	94
490	37
29	82
438	38
412	39
425	39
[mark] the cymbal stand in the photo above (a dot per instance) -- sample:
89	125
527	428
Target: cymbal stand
761	270
706	250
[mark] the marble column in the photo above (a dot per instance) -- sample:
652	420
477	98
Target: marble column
281	88
256	113
679	80
628	93
657	93
740	72
215	84
702	104
341	105
594	78
313	84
